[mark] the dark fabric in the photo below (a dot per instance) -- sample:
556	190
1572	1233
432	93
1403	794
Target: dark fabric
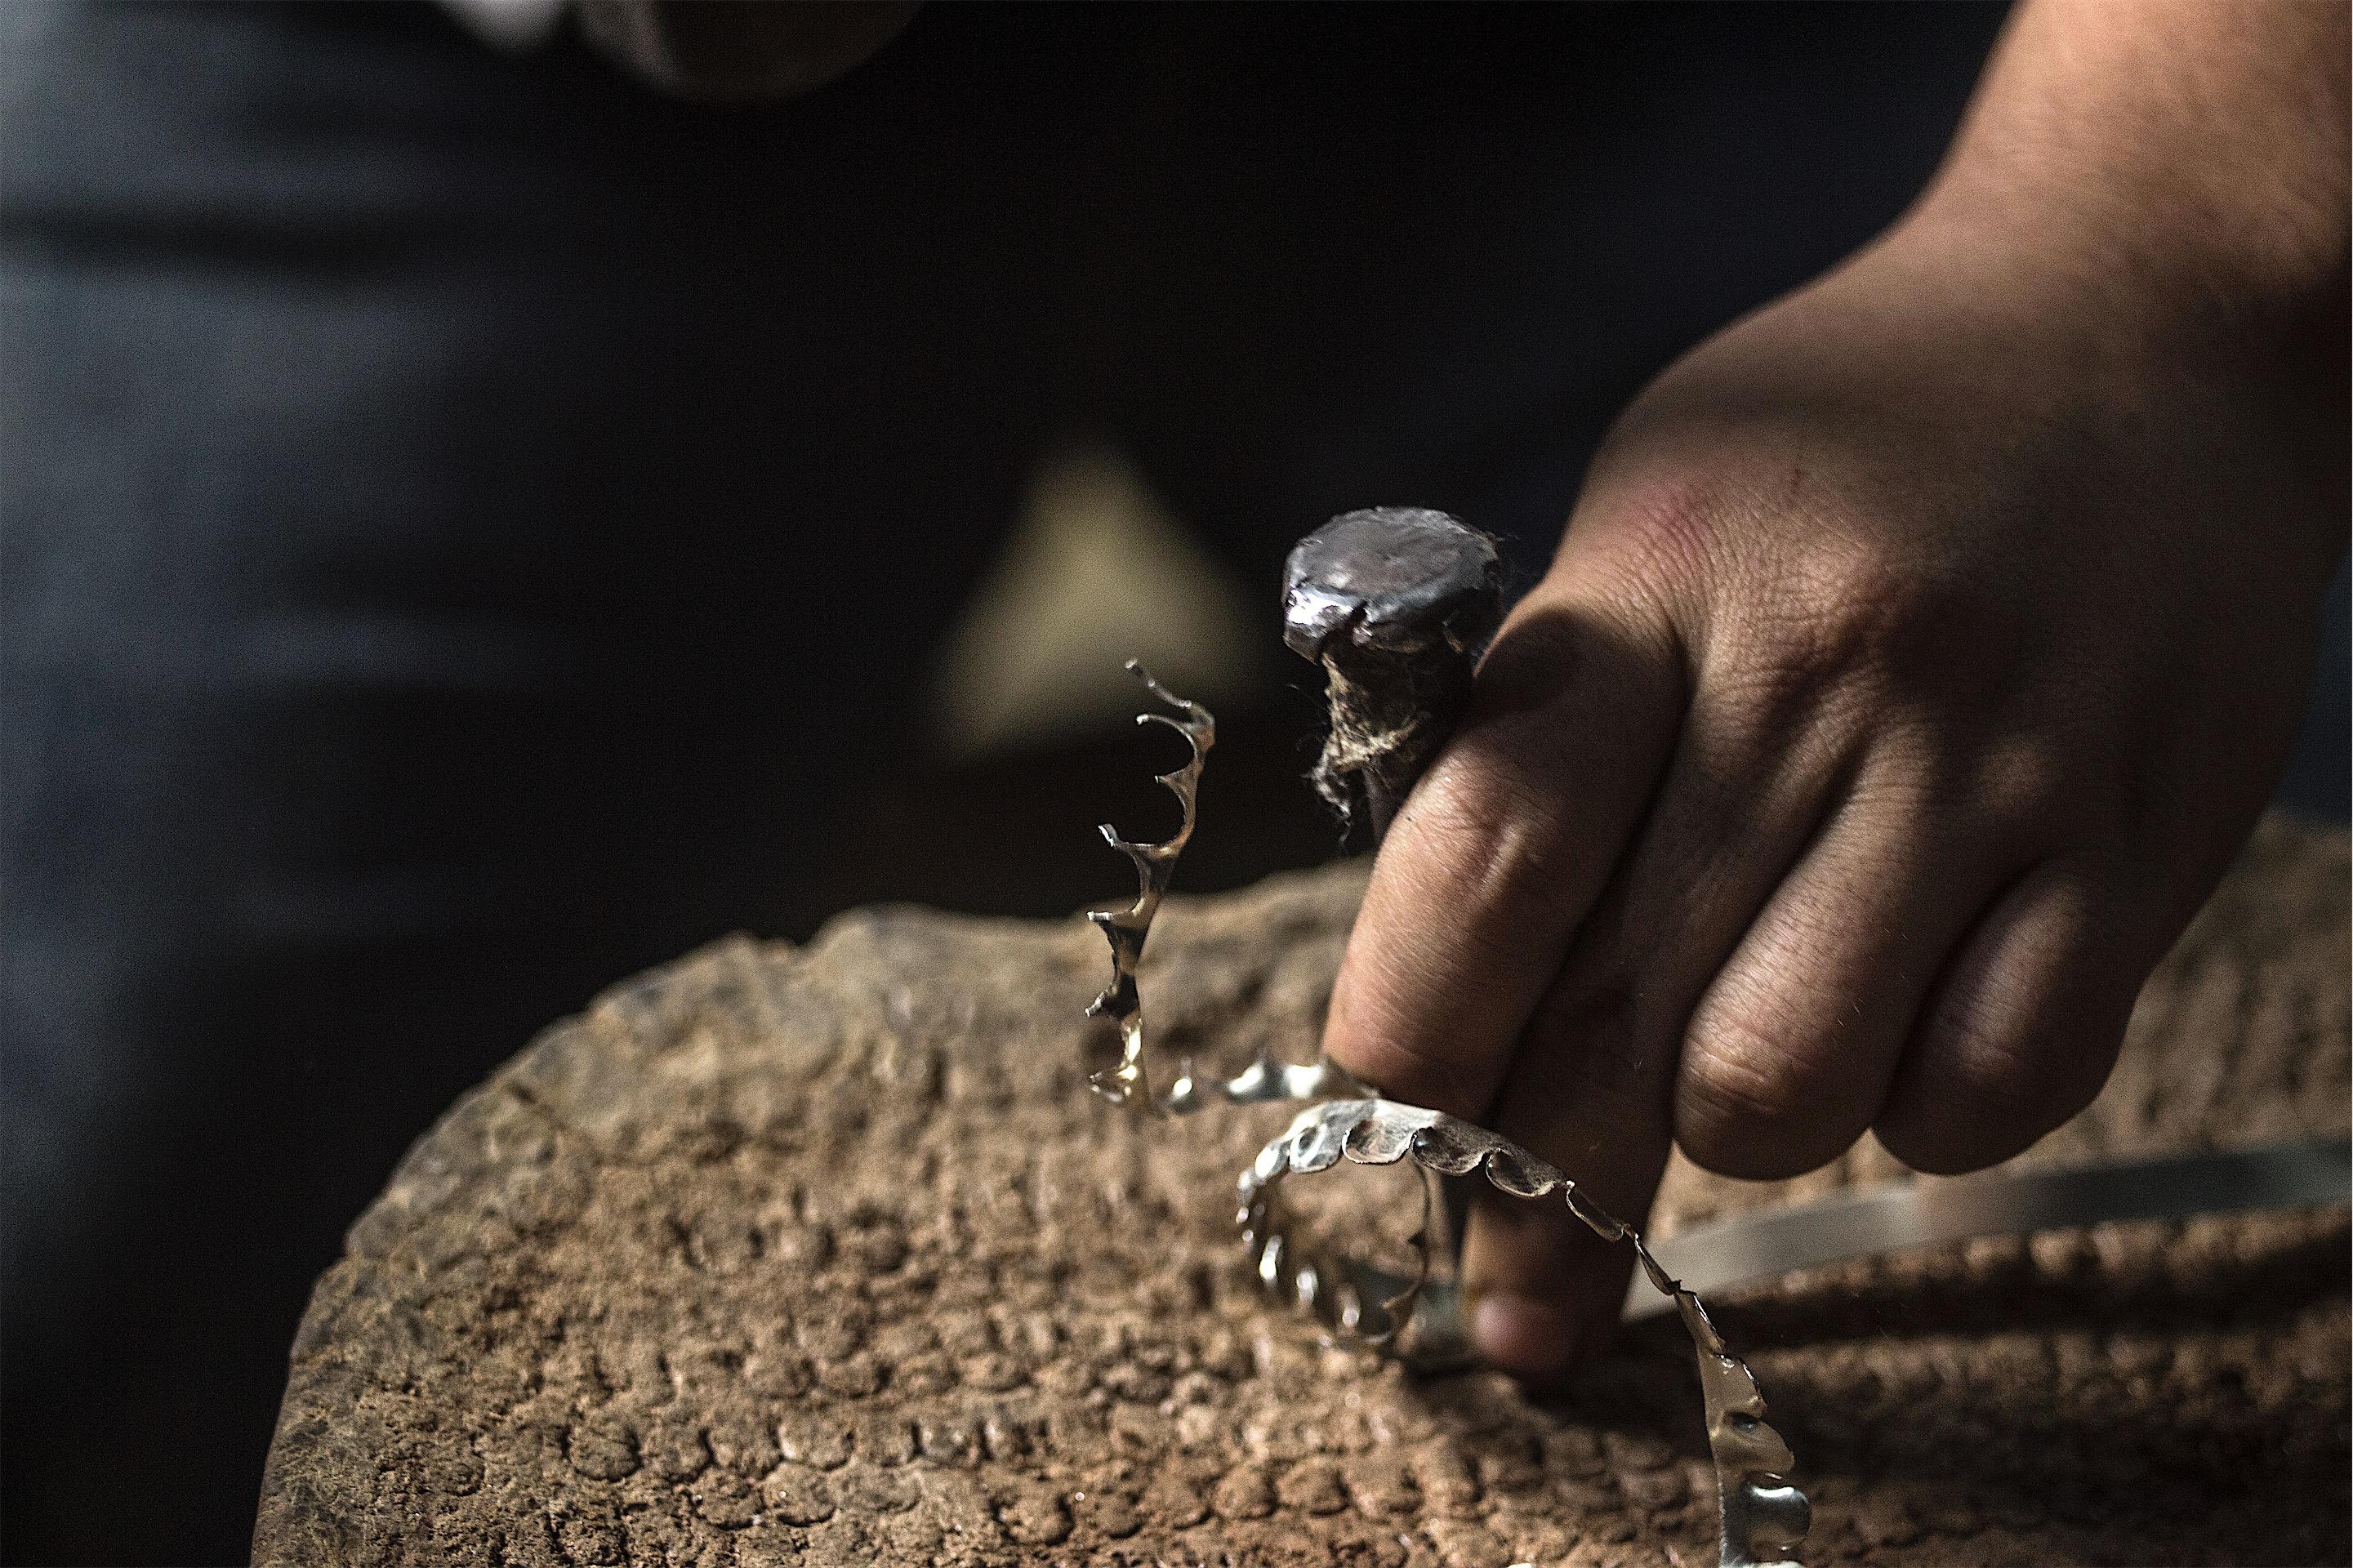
472	526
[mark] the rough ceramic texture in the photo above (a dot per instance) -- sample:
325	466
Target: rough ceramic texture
824	1255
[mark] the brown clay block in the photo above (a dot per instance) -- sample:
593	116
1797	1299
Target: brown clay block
825	1255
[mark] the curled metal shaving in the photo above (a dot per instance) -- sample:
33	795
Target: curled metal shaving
1763	1517
1129	1083
1266	1080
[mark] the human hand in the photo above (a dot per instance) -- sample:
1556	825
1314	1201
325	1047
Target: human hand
1918	655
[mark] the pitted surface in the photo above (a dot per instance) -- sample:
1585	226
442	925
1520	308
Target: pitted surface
825	1255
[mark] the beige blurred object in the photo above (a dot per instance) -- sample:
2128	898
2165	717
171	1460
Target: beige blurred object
734	49
1098	572
509	24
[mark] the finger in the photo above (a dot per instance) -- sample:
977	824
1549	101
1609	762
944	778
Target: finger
1789	1053
2020	1033
1541	1289
1590	1090
1502	846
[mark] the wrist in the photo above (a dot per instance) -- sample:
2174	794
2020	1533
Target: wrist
2156	361
2179	169
2227	298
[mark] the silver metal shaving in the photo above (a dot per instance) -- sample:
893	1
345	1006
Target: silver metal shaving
1265	1080
1127	1084
1762	1516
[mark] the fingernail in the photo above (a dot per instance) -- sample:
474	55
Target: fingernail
1522	1335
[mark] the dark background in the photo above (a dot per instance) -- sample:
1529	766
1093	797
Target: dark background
475	528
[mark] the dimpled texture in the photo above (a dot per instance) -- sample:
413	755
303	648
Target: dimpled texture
825	1255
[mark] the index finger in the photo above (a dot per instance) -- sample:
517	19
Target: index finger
1503	845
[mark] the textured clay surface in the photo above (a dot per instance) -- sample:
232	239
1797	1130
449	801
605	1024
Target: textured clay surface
825	1256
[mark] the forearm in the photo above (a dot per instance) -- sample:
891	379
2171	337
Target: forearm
2193	152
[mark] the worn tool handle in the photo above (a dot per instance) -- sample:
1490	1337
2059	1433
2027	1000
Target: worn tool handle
1395	603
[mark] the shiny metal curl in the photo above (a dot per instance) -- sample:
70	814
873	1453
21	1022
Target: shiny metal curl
1266	1080
1763	1518
1129	1083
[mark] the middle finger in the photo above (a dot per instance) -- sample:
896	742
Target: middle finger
1590	1083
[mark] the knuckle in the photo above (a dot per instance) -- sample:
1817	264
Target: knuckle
2044	780
2020	1042
2023	778
1666	529
1847	612
1751	1093
2000	1070
1747	719
1497	833
2000	1086
1847	606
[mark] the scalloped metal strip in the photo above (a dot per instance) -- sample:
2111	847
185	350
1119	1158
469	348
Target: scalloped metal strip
1265	1081
1763	1517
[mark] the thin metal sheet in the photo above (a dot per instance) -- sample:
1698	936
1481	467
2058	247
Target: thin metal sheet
1932	1211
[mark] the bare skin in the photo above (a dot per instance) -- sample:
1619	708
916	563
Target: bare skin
1920	651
